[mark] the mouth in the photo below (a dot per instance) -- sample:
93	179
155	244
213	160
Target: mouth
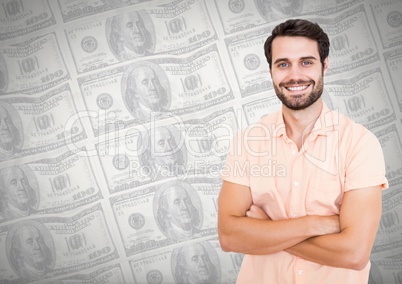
297	88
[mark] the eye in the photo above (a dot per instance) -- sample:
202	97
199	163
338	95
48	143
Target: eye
283	65
306	63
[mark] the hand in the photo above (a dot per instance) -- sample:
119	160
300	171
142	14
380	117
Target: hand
257	213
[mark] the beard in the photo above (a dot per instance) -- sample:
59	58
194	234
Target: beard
299	103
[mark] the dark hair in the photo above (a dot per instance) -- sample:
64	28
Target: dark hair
299	27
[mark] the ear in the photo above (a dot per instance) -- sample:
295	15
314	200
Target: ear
325	66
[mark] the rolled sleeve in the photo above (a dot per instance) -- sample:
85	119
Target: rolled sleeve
366	165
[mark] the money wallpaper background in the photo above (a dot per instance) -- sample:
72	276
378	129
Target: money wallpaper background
112	110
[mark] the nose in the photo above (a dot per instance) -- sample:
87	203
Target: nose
295	73
36	245
136	29
20	185
151	85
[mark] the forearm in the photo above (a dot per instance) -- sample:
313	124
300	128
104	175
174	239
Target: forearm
338	250
263	236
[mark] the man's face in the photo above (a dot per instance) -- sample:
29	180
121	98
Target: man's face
16	189
6	134
147	87
164	147
32	247
133	32
179	207
296	71
198	264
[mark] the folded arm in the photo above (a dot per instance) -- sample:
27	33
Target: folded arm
241	233
350	248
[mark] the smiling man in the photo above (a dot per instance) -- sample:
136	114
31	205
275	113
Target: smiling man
306	226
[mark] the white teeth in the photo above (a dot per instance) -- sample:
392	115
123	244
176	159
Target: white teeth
299	88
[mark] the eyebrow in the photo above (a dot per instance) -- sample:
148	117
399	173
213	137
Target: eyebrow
301	58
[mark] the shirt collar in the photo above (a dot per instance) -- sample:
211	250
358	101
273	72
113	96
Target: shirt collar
325	123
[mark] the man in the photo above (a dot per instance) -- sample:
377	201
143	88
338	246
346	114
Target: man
29	254
178	218
18	197
317	222
9	135
145	96
129	37
193	265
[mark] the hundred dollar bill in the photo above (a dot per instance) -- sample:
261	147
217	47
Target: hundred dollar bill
35	124
177	28
179	264
254	110
352	43
393	61
167	213
52	246
388	239
112	274
384	271
132	158
241	15
151	90
24	16
47	186
248	61
388	19
32	66
75	9
363	97
392	148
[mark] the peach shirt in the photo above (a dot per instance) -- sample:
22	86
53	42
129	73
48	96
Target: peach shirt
339	155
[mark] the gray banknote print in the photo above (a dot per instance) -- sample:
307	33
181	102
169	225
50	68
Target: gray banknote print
132	35
136	158
196	262
182	210
75	9
47	186
52	246
240	15
37	124
32	66
145	91
21	17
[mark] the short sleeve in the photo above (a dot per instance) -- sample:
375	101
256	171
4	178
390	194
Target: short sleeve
236	167
366	166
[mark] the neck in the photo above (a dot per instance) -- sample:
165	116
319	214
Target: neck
299	123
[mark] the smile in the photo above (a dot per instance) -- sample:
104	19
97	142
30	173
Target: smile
297	88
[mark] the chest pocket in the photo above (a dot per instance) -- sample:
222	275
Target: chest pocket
323	197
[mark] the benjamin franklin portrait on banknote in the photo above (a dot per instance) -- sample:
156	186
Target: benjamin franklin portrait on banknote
146	91
29	250
164	153
10	131
194	263
17	197
178	211
131	35
274	10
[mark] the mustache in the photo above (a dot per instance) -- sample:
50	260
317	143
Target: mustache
294	82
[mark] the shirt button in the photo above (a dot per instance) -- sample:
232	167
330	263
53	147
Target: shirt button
296	183
300	272
293	152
